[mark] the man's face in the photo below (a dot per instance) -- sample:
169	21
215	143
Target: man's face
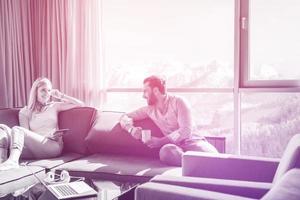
148	94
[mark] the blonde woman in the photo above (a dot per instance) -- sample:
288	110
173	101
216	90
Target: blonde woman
37	137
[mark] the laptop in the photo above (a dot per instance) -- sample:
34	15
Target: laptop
72	190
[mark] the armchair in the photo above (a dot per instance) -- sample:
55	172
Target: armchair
232	176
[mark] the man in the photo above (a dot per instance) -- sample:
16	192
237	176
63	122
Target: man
173	116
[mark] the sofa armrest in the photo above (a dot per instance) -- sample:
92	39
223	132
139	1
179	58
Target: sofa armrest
241	188
159	191
9	116
227	166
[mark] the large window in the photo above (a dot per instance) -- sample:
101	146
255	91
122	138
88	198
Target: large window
212	112
274	40
271	43
269	120
235	61
189	42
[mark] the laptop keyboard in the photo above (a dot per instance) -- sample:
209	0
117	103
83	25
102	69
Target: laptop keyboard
65	190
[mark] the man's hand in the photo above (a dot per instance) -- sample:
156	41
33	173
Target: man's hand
136	132
154	142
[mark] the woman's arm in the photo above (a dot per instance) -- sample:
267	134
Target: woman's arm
67	102
24	118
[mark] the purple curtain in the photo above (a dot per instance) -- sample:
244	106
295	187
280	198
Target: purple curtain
58	39
16	54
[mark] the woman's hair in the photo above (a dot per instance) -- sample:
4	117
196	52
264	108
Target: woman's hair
32	102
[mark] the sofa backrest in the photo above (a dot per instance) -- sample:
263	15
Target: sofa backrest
79	120
107	136
9	116
290	158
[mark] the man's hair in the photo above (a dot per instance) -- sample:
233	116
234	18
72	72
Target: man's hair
155	81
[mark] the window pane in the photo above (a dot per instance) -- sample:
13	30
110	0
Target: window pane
269	120
189	42
212	113
274	39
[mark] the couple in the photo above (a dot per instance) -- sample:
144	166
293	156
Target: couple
37	136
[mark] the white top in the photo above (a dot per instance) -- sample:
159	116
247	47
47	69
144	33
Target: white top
43	123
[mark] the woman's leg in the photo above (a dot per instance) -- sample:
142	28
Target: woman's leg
35	146
16	146
4	142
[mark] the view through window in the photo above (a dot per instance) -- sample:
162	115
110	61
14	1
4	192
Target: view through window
274	40
191	44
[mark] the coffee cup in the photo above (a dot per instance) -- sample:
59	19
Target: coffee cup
146	135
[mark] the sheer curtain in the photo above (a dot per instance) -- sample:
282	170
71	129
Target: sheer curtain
58	39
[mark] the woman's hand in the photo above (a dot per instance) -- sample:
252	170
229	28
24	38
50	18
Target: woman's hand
57	134
57	94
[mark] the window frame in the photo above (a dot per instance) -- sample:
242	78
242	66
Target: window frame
246	82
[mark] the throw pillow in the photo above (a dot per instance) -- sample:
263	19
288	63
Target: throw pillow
107	136
79	120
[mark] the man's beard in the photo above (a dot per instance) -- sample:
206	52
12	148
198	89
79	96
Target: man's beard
152	100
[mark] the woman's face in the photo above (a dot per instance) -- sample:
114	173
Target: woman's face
43	93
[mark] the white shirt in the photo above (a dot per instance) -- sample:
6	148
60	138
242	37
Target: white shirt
175	123
43	123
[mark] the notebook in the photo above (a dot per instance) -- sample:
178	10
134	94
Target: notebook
71	190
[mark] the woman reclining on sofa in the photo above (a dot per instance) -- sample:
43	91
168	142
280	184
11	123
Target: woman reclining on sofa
38	136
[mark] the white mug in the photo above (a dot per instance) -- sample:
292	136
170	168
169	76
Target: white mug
146	135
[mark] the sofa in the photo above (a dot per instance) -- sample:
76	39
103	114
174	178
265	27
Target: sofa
95	147
224	176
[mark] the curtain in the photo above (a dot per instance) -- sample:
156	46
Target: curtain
63	43
16	54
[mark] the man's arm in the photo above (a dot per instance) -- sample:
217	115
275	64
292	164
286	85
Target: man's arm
184	130
184	121
126	121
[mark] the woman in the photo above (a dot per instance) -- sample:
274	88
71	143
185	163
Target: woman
37	136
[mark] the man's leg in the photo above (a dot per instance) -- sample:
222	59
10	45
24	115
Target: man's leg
171	154
198	145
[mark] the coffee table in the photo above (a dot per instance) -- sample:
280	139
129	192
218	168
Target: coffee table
106	189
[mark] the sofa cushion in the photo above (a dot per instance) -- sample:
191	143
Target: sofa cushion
119	167
54	162
107	136
16	179
79	121
248	189
290	158
287	187
9	116
160	191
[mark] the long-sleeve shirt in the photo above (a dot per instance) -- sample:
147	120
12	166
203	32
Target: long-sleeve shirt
175	123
